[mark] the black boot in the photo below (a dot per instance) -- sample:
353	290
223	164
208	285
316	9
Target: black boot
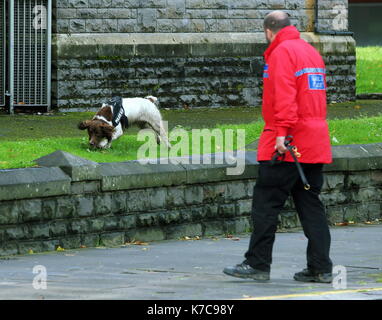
244	270
308	275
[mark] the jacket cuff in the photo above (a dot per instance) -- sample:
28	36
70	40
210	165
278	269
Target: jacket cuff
282	131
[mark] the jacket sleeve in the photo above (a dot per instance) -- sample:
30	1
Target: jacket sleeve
282	74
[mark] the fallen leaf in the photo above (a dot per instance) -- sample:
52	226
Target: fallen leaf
185	238
231	237
137	243
341	224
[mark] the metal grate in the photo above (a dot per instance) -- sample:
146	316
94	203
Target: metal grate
31	52
2	53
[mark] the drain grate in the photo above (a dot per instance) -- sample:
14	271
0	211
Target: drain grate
30	52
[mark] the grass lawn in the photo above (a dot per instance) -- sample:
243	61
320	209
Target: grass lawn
369	69
17	154
23	138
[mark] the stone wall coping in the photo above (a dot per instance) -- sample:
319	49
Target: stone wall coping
53	181
185	44
33	183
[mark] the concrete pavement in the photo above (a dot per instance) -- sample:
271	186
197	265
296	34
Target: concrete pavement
192	269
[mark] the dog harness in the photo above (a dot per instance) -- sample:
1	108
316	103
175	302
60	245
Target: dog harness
119	116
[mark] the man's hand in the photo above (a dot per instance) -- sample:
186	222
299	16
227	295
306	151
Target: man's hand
280	146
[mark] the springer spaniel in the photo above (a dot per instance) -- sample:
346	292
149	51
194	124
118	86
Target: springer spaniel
118	114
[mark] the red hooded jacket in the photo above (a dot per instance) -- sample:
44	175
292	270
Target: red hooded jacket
294	99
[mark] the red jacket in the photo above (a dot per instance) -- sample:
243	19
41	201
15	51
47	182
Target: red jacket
294	99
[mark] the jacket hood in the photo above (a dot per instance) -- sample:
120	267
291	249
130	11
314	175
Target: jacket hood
287	33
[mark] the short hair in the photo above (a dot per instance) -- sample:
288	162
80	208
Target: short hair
276	20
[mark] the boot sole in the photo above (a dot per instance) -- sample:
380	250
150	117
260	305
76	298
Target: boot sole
246	276
311	279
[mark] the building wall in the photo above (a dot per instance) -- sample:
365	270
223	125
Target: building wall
79	16
199	53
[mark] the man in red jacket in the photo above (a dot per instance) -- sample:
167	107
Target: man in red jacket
294	103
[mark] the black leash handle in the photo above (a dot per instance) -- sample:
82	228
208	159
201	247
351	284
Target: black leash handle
287	143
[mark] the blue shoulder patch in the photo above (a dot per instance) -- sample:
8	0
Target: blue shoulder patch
316	81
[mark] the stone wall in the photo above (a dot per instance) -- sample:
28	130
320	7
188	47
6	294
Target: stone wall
195	70
196	53
71	202
185	16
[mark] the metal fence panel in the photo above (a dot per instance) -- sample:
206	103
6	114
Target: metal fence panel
30	40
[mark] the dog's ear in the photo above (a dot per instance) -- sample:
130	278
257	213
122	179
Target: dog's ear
107	130
84	125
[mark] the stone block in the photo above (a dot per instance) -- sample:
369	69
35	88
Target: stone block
237	225
136	200
244	207
8	213
8	248
227	210
157	198
103	204
169	217
30	210
289	219
333	181
20	232
214	193
112	239
175	196
127	222
111	223
193	194
33	183
78	226
49	245
84	206
184	230
77	25
65	208
39	231
24	247
130	175
118	202
359	179
77	168
235	191
147	219
146	234
70	242
90	240
95	224
212	228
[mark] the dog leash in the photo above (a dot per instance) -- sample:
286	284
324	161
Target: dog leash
295	154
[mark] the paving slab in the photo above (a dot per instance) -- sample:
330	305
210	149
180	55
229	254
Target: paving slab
192	269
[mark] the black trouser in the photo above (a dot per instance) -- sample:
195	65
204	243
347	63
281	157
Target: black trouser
273	186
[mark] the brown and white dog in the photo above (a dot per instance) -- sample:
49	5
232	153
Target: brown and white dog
118	114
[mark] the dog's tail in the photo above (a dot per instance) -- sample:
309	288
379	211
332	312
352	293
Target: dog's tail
153	99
